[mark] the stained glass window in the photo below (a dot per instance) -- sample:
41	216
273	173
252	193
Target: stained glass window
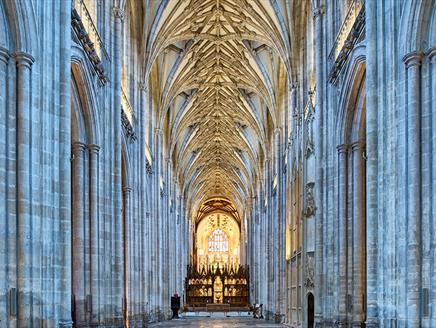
218	241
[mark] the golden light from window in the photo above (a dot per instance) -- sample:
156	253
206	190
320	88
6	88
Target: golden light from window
218	241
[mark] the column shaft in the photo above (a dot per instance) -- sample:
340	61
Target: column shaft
64	279
319	171
118	274
413	66
358	235
78	231
127	246
343	288
94	229
5	253
432	56
372	127
158	213
24	195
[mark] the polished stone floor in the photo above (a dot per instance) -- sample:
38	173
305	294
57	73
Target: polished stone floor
217	323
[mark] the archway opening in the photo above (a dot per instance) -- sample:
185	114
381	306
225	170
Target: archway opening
216	276
310	310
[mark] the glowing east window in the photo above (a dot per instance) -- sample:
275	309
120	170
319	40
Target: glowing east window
218	241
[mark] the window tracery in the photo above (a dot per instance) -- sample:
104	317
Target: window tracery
218	241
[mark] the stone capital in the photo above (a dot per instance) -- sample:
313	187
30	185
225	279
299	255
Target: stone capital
118	13
343	148
24	59
358	145
126	190
78	147
413	59
432	53
4	54
93	149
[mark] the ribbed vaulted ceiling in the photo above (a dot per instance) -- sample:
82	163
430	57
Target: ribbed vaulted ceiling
217	62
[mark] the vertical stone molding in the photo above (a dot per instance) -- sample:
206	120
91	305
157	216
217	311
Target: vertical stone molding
318	14
159	213
279	230
413	104
432	87
343	245
372	127
94	227
127	224
268	243
293	98
24	198
118	14
256	252
165	228
358	234
63	279
78	228
5	229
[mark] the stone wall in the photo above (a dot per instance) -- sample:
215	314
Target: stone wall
87	235
361	139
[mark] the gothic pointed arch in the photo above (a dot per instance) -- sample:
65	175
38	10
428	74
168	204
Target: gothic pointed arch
85	102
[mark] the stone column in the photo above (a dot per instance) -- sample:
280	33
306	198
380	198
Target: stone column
4	230
413	67
166	227
118	14
62	286
94	228
178	251
149	272
372	127
253	239
24	223
342	292
261	240
78	224
142	203
319	171
259	243
432	57
280	229
358	235
268	242
158	214
181	255
127	256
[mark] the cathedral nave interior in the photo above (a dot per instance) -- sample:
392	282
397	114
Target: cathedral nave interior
266	156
